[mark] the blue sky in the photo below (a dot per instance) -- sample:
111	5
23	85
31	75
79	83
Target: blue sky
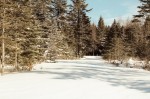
112	9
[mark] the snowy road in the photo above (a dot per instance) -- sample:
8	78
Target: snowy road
88	78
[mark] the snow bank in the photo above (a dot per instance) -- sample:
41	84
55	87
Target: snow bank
134	63
8	68
91	58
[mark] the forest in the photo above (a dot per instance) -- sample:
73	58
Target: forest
34	31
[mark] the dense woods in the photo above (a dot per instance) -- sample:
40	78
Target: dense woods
33	31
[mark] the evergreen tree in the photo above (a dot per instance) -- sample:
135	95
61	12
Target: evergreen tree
94	40
80	26
85	36
132	38
28	45
59	10
24	31
59	18
3	20
101	35
146	51
144	12
101	25
117	49
114	43
144	9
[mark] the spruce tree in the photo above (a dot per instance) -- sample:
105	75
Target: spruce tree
29	53
114	46
94	40
80	26
59	10
146	29
59	17
117	49
101	35
144	12
9	30
101	24
144	9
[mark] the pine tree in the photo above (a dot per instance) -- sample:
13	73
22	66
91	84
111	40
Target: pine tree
144	12
85	36
3	18
9	30
101	25
94	40
59	10
146	41
130	38
117	49
46	27
144	9
29	53
59	17
78	20
23	33
101	35
114	43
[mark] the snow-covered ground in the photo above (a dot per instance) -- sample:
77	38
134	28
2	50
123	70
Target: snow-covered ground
87	78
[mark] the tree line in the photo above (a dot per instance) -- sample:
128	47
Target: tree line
121	42
33	31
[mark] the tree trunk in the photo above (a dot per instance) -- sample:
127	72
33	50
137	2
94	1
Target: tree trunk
16	59
3	41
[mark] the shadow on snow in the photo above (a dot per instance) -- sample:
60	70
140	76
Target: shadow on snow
131	78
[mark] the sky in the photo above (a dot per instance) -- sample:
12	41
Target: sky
112	9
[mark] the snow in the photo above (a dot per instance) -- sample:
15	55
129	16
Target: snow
135	63
87	78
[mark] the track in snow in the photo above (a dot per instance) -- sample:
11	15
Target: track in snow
87	78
